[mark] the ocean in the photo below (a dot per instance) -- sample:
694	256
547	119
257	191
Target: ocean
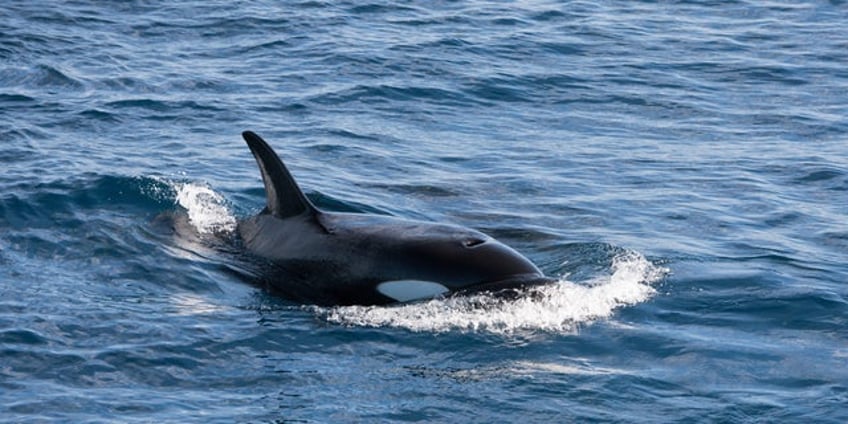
681	169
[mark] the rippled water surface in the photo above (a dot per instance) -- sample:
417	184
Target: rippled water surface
682	169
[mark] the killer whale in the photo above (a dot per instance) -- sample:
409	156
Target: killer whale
332	258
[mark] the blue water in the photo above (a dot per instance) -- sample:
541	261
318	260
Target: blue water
681	168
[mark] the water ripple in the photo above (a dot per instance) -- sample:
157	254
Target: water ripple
708	140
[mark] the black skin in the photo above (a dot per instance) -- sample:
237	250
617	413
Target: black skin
332	258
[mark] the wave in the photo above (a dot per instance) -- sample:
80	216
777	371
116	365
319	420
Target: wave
28	203
39	76
382	93
558	308
155	105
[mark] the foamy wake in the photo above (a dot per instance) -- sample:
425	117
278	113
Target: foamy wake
560	307
207	210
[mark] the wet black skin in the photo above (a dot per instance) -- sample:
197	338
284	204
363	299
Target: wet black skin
333	258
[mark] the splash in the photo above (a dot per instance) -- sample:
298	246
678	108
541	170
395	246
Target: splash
207	210
559	308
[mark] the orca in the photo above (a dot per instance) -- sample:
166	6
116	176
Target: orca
333	258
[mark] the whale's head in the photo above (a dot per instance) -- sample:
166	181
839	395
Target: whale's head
420	260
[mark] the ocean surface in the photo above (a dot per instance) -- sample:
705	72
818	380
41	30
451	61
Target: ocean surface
680	168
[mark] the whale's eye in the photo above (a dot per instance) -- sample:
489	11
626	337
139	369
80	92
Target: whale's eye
471	242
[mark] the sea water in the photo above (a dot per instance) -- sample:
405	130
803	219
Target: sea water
680	168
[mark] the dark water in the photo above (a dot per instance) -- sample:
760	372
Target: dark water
683	168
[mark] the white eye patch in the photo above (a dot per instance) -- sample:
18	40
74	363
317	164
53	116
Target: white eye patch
406	290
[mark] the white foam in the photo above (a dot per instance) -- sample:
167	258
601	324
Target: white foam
207	210
560	307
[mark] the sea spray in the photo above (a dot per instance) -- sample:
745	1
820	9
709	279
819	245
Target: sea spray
560	307
207	210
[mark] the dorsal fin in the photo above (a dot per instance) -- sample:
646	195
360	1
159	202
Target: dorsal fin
283	196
